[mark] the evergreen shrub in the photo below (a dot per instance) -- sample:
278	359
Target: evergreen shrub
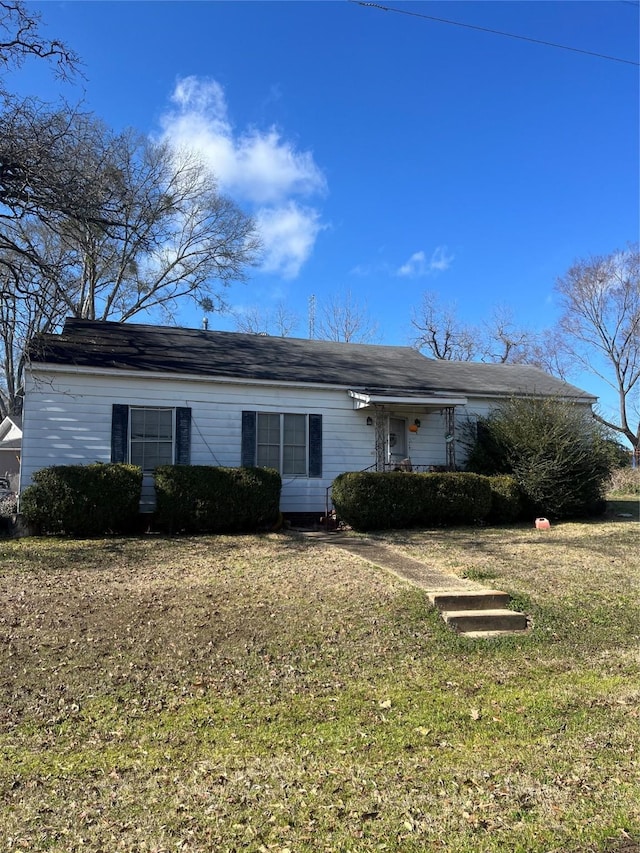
83	500
506	500
555	450
377	501
208	499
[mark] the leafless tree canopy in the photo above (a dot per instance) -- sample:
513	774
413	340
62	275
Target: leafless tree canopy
279	322
104	226
97	224
504	341
599	330
342	318
21	39
54	168
441	333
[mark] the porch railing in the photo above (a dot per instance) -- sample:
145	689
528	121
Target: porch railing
409	467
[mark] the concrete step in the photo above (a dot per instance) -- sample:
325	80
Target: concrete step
497	619
482	599
483	635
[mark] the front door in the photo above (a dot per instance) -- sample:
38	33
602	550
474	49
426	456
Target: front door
397	440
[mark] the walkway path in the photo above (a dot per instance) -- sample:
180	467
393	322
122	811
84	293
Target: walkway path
467	606
413	571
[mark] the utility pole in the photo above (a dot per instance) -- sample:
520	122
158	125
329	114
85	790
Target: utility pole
312	316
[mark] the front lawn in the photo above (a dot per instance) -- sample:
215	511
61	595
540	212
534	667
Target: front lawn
269	693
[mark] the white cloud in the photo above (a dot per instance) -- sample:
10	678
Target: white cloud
440	260
418	265
362	270
289	234
260	169
414	266
270	169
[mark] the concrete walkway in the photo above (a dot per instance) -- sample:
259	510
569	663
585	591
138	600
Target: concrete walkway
466	606
384	556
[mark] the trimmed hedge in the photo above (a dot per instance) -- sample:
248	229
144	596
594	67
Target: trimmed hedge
377	501
506	500
83	500
208	499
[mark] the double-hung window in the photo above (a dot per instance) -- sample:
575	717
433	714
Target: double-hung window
290	443
151	438
282	443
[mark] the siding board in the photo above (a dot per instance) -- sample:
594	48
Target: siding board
68	420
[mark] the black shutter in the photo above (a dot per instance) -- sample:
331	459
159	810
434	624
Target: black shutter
315	445
183	436
119	432
248	459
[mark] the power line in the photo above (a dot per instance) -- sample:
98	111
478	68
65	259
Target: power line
495	32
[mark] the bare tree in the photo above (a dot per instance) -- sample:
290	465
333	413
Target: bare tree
342	318
21	39
445	337
55	168
599	330
285	322
548	354
30	302
504	341
280	322
140	224
441	333
22	315
176	237
106	226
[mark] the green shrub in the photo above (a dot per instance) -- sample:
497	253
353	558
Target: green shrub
556	451
506	500
83	500
208	499
621	455
454	498
375	501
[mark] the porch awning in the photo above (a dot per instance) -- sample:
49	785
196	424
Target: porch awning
408	399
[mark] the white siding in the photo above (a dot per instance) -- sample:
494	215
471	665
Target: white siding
9	430
67	420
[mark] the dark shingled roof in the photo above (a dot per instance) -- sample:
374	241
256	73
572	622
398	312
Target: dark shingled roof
376	369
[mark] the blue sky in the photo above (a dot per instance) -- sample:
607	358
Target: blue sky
383	153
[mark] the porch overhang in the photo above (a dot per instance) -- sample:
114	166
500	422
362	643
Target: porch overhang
363	399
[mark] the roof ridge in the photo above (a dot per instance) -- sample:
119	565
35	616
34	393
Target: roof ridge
80	321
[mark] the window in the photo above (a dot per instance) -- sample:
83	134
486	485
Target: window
290	443
151	441
150	436
282	443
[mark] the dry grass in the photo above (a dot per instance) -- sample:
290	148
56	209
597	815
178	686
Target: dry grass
625	481
271	694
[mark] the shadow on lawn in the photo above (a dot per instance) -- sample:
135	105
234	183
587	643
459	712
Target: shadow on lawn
623	509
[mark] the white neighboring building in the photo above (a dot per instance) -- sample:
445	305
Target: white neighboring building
10	449
154	395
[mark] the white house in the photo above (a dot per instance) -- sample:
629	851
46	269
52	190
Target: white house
10	448
151	395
